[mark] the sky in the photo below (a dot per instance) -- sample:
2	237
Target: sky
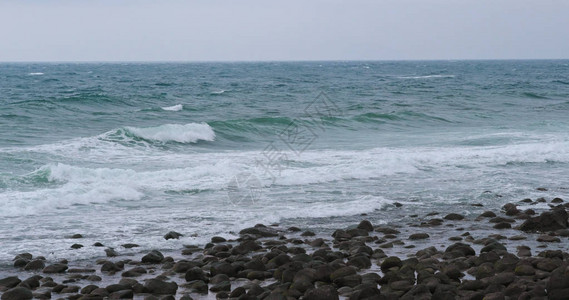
275	30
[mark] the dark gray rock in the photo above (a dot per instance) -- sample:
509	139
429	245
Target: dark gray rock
365	225
110	252
454	217
159	287
56	268
547	221
195	273
154	257
419	236
463	249
17	293
259	231
110	267
173	235
124	294
221	286
326	292
9	282
390	262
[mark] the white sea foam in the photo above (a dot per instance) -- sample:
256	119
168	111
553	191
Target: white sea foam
36	74
169	172
181	133
177	107
217	92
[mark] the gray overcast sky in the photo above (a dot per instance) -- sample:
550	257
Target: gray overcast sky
141	30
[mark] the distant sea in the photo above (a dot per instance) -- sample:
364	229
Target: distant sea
124	153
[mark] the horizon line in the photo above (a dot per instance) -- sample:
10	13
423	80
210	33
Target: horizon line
271	61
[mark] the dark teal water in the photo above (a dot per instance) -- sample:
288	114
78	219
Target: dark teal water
130	151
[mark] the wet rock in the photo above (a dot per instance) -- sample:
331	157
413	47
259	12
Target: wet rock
390	262
245	247
88	289
557	200
76	246
460	248
419	236
488	214
43	293
221	286
454	217
365	225
387	230
157	286
259	231
546	221
350	280
360	262
308	233
124	294
223	268
110	267
70	289
326	292
17	293
198	286
195	273
36	264
172	235
77	236
134	272
110	252
524	270
548	239
342	272
218	239
9	282
20	262
493	246
510	209
130	245
154	257
31	283
503	225
56	268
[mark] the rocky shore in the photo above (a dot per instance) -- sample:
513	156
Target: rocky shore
436	256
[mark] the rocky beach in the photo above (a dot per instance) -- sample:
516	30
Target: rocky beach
513	253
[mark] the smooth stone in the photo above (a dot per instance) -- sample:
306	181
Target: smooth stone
419	236
172	235
157	286
56	268
154	257
454	217
17	293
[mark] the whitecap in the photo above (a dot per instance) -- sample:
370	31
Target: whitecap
181	133
36	74
177	107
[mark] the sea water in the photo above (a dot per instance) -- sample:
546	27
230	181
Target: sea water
124	153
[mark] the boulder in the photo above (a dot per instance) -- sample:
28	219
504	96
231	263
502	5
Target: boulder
154	257
17	293
547	221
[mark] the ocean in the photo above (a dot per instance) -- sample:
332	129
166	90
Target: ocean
126	152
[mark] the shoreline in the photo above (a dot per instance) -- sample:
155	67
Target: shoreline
431	257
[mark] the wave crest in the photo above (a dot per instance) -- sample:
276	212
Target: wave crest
177	107
180	133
